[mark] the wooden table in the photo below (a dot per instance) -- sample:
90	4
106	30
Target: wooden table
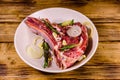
105	14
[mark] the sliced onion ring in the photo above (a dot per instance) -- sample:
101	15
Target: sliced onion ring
74	31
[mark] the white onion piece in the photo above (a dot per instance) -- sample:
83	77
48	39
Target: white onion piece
34	51
74	31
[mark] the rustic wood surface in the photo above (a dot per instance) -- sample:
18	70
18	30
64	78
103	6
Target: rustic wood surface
105	14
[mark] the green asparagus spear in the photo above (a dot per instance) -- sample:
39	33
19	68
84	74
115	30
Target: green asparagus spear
50	27
66	47
47	54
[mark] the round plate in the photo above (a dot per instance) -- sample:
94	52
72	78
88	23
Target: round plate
24	37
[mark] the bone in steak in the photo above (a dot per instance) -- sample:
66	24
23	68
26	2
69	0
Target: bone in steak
68	57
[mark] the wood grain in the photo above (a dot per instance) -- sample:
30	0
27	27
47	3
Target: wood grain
103	65
105	14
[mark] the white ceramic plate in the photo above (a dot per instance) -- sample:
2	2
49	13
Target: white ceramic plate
24	37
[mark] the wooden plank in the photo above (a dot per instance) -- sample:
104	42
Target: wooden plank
92	9
106	31
87	7
7	31
57	1
17	18
103	65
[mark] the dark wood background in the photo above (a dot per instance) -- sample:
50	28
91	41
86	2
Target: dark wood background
105	14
